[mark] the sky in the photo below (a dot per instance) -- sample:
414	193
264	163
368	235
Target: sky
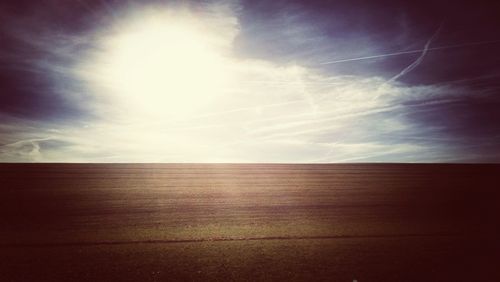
249	81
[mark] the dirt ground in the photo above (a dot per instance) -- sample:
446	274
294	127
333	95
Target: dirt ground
249	222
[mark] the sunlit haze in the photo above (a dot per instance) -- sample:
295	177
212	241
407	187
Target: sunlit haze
162	64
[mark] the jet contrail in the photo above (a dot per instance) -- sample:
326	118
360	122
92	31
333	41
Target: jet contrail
419	59
410	52
25	141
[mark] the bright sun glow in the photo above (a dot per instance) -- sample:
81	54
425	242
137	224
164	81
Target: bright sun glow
165	66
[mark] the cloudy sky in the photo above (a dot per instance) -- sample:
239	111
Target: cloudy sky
249	81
